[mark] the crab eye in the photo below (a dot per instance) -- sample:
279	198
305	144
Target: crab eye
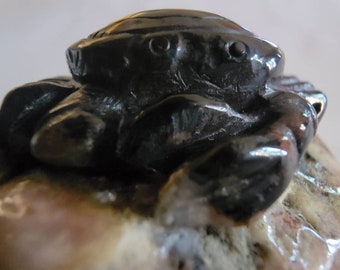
237	49
159	45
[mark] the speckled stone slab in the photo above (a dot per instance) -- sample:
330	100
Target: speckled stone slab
45	225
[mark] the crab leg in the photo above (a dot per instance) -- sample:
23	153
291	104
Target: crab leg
24	105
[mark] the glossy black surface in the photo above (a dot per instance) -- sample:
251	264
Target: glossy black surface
166	89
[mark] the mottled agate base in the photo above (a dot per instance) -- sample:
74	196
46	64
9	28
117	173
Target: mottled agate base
45	225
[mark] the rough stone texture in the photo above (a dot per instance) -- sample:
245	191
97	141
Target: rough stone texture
45	225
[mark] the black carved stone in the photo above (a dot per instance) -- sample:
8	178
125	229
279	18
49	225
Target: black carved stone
167	90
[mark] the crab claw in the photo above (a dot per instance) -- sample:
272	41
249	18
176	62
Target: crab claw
302	88
317	99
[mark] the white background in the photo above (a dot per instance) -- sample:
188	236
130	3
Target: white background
34	35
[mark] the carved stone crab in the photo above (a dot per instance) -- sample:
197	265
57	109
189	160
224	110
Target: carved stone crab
168	91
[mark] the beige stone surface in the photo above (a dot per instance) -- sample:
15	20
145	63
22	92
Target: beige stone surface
45	225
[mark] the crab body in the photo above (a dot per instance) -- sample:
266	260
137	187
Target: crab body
165	90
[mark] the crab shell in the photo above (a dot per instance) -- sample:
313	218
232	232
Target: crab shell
122	49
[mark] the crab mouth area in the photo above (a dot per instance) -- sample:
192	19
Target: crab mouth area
177	102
